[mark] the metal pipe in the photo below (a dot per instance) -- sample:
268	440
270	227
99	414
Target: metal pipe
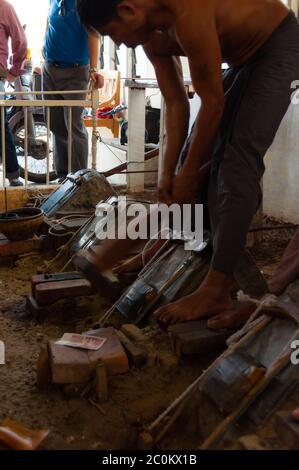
48	103
70	139
120	168
26	144
95	98
65	92
3	145
48	118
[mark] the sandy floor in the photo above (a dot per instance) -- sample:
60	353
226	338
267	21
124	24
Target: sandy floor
135	399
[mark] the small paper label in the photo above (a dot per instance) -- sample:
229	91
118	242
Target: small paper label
91	343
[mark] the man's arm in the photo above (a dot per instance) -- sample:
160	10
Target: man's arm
197	35
170	79
18	42
93	45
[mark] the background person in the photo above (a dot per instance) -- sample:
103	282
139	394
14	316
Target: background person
10	28
71	58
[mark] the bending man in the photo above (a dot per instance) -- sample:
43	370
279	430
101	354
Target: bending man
239	116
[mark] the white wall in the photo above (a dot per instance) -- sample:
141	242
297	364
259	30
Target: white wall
33	13
281	181
281	188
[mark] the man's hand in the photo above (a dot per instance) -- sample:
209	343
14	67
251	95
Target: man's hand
185	189
98	79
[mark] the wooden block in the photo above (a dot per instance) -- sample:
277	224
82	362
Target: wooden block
72	365
195	338
251	442
49	293
101	383
133	333
43	278
17	248
136	355
112	353
43	371
287	429
69	365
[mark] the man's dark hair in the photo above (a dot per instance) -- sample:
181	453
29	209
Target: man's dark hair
95	14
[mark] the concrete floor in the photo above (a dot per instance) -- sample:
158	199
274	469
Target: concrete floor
107	158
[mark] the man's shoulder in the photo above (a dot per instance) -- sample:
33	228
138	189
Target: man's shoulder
7	7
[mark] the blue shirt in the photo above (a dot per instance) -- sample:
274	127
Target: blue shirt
66	39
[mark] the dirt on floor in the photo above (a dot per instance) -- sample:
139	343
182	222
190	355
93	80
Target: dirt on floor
135	399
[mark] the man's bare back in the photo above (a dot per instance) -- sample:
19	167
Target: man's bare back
242	26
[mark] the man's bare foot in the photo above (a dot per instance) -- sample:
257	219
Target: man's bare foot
232	319
211	298
240	314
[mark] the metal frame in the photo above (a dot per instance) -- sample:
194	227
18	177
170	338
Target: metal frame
92	103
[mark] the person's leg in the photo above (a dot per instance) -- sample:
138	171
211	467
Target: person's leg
237	177
52	79
77	79
12	166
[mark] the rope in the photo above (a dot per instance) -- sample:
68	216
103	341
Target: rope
267	301
59	223
99	138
